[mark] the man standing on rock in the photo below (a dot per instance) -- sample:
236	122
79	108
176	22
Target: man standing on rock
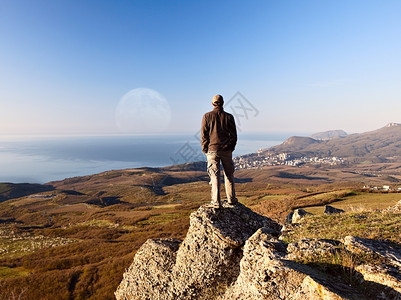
218	139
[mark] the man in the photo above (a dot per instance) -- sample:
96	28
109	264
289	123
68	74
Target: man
218	139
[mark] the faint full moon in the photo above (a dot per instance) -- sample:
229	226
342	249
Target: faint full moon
142	111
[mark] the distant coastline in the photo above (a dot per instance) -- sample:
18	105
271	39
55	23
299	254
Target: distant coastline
42	159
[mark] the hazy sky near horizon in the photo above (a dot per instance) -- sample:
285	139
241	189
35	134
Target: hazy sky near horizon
104	67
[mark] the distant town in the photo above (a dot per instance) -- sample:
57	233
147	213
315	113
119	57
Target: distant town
261	159
384	188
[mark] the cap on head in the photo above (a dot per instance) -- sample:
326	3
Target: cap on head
218	100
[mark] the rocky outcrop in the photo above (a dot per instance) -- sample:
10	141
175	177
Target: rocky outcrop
308	248
389	252
149	275
388	273
394	209
234	253
210	254
330	210
267	273
204	263
298	215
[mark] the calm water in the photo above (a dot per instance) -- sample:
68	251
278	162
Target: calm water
44	159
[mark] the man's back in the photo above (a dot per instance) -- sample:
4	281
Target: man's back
218	131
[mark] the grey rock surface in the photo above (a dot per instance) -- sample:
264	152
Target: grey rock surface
266	273
211	251
388	273
207	259
307	248
149	275
394	209
288	219
389	251
298	215
330	210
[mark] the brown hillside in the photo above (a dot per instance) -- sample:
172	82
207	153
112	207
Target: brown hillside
380	145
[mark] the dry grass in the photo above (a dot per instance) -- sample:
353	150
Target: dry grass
361	201
342	264
370	225
6	272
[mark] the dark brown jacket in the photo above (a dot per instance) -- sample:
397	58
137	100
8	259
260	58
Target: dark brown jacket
218	131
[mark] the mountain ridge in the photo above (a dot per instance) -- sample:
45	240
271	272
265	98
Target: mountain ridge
380	145
328	135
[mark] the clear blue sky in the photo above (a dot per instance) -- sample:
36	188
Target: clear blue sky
306	66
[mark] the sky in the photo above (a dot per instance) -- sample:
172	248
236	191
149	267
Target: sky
141	67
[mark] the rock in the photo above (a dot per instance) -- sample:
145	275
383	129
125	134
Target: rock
389	251
393	209
288	219
149	275
266	273
307	248
208	257
388	277
387	274
211	251
330	210
298	215
262	270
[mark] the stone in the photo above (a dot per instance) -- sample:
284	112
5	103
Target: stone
393	209
288	219
389	251
386	276
266	273
149	275
298	215
307	248
211	251
330	210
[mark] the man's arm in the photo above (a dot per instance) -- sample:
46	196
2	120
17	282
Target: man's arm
233	133
205	139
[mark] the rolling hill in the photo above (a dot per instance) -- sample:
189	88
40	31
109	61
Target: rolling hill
381	145
16	190
328	135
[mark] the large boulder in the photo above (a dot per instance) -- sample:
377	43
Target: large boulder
204	264
330	210
387	274
267	273
211	251
149	275
309	248
298	215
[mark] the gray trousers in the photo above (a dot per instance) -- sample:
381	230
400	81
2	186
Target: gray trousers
213	168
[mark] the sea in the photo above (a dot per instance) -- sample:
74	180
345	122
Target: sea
40	159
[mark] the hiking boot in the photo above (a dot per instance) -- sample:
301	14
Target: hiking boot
215	205
232	202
